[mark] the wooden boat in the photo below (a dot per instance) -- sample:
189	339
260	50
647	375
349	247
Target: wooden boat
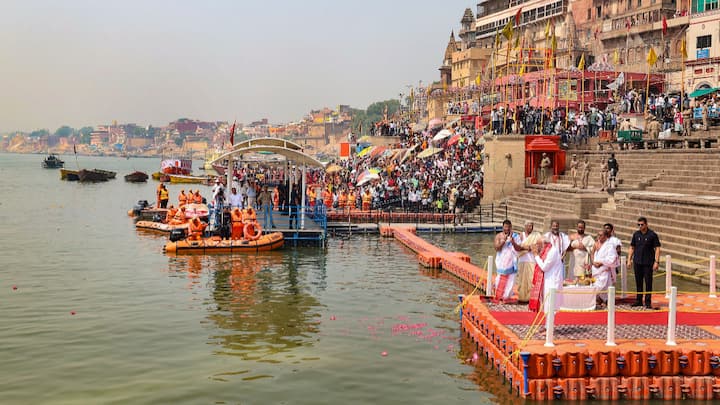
158	226
69	175
180	178
267	242
136	177
52	162
95	175
109	174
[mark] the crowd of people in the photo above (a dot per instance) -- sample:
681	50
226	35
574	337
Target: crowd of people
533	264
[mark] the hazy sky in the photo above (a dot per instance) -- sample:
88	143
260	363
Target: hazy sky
90	62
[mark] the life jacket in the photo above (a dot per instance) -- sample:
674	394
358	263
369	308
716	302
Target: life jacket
197	198
182	198
196	228
249	215
164	195
236	215
170	214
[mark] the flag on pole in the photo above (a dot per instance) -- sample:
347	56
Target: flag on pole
616	57
683	49
477	79
581	64
232	134
547	29
522	70
497	38
517	42
664	26
553	43
652	56
508	30
517	17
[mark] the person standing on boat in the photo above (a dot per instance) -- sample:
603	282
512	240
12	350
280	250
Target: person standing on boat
581	245
560	241
604	261
265	200
251	195
506	248
235	199
549	274
526	265
644	256
163	196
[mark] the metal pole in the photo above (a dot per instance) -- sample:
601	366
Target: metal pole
550	319
672	318
623	276
302	203
488	282
668	275
713	291
611	318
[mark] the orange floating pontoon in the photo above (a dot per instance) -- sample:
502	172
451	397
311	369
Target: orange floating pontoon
270	241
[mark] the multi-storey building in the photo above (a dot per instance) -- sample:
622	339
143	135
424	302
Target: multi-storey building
703	46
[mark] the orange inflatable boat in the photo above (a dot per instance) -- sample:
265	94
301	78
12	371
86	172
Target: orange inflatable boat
158	226
270	241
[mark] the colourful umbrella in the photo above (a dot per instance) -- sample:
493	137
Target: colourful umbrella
333	169
365	151
377	151
442	135
367	176
429	152
435	122
453	140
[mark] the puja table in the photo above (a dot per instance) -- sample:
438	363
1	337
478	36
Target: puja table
577	298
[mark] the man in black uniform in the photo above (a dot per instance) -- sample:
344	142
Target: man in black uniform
644	254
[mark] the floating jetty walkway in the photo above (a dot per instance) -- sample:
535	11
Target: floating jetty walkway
620	353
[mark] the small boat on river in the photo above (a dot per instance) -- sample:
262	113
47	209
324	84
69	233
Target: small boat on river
95	175
215	244
136	177
180	178
69	175
53	162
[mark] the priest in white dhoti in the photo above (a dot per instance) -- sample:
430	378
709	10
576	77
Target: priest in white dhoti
581	246
605	261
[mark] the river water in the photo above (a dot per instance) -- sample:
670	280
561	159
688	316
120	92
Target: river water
94	312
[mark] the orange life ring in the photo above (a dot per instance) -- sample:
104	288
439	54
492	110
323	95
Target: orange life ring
252	231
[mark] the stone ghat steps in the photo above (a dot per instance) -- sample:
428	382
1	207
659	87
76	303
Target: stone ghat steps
705	238
698	247
659	207
539	200
684	225
690	190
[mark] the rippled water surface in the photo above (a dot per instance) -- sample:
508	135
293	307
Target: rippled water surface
94	312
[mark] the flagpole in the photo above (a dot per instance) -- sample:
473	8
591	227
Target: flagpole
505	86
647	89
582	92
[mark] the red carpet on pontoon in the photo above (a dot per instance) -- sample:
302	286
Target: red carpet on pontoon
600	318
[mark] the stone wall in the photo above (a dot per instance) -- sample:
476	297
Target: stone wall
504	167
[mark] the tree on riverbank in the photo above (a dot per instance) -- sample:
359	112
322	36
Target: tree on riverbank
364	119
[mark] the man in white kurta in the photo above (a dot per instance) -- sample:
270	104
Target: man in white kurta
554	271
581	246
559	240
605	260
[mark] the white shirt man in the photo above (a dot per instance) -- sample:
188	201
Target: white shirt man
581	245
559	240
235	199
554	271
605	260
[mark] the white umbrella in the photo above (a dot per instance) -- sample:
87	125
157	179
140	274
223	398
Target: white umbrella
442	135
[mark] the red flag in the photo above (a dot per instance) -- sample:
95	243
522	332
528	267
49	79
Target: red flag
232	134
664	25
517	17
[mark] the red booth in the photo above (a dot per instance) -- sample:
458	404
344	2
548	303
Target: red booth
535	146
